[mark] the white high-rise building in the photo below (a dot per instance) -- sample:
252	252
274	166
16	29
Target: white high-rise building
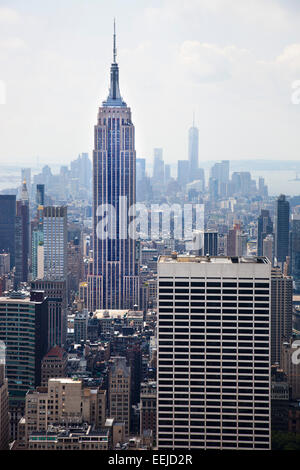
55	242
213	364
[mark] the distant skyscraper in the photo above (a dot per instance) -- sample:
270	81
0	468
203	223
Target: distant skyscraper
114	281
55	242
193	152
140	169
8	226
158	167
40	194
22	237
264	228
268	247
206	242
282	229
213	364
183	167
295	251
220	172
167	173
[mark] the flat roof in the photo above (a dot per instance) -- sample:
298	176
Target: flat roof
213	259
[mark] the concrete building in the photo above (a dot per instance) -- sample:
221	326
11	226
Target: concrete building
80	437
213	364
282	227
4	414
24	330
65	402
119	391
55	242
281	312
56	293
148	401
54	365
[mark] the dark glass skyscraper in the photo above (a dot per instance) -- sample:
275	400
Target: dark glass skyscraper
7	226
113	282
282	229
295	251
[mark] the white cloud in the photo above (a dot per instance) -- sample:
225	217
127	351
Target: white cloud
12	43
9	16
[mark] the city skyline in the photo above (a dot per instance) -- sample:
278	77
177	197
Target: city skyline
210	65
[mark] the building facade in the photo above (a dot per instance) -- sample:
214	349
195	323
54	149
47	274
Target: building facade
213	365
114	281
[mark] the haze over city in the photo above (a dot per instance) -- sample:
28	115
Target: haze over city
231	63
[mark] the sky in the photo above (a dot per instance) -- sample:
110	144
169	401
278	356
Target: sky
233	63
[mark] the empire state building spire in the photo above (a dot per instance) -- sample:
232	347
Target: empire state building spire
114	98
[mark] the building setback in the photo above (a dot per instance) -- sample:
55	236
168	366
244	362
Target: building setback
114	284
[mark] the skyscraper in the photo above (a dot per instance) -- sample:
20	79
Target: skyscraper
22	237
264	228
281	312
193	152
158	167
213	366
24	329
295	251
114	282
4	416
282	229
8	226
55	242
183	172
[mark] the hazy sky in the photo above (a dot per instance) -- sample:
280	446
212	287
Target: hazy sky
233	62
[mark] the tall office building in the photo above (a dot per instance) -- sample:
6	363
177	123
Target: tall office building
56	293
55	242
8	226
140	169
193	152
4	414
158	167
206	242
213	366
114	281
183	168
264	228
295	251
119	391
22	237
40	194
268	247
23	329
220	172
281	312
282	229
81	169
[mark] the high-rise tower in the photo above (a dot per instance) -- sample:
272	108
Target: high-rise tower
113	283
282	229
193	151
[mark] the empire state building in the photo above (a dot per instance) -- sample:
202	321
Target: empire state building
113	282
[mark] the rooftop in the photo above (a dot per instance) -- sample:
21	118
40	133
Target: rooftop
174	258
